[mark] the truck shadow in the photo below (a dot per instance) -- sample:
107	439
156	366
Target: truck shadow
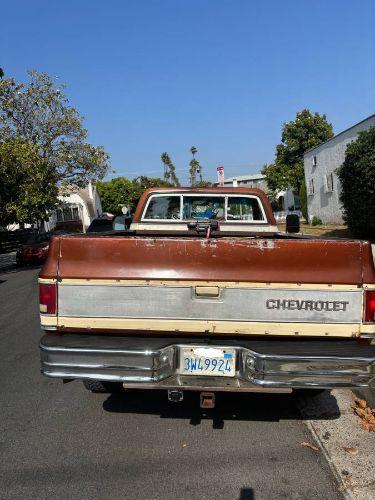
229	406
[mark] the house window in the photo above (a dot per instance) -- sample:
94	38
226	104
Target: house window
310	188
314	161
328	183
67	213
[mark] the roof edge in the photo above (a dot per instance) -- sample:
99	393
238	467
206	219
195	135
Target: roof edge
337	135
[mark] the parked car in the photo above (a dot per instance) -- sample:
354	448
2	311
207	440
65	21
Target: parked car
34	251
122	222
205	294
110	223
101	225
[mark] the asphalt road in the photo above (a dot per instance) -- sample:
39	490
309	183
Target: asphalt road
58	441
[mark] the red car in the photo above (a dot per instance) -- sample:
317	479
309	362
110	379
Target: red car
35	251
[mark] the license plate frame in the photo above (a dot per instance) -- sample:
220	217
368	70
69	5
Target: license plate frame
201	361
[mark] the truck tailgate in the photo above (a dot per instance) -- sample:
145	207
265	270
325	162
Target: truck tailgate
224	285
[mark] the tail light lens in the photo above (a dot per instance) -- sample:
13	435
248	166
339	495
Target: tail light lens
370	306
47	298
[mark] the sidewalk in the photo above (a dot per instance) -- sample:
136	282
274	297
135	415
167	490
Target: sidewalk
349	449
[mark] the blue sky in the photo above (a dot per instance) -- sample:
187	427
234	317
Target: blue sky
222	75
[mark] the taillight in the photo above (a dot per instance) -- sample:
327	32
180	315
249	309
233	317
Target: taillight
47	298
370	306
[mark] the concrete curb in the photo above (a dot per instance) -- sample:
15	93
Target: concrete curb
333	467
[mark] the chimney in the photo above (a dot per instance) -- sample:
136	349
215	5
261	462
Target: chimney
91	191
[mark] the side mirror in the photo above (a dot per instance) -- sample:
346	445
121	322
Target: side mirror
292	223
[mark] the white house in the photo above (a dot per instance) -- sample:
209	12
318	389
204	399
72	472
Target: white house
250	180
77	208
322	183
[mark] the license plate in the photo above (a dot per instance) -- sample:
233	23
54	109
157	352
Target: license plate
218	362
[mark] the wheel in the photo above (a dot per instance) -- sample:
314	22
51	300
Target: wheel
102	386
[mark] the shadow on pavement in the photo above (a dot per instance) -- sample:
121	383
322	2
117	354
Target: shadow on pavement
16	269
246	494
229	406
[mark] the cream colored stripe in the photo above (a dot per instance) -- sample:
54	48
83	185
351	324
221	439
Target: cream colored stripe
48	320
368	329
225	327
222	284
47	281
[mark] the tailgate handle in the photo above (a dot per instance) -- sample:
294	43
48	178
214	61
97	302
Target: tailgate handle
207	291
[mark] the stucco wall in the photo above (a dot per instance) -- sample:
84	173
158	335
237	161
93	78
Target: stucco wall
330	156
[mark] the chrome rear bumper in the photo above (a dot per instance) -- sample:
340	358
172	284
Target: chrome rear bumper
149	362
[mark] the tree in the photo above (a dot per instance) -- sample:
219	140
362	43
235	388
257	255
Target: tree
357	177
39	113
28	188
169	170
114	193
299	135
203	184
122	191
1	73
195	168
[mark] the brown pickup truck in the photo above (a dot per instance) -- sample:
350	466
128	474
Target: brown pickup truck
203	293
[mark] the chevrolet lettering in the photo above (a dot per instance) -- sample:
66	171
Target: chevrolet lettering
307	305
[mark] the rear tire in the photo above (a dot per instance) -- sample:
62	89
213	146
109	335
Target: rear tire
100	386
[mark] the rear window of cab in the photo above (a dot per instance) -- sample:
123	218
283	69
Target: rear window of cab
225	208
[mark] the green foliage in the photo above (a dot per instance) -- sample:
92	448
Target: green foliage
299	135
169	170
203	184
357	177
28	189
122	191
316	221
274	204
303	200
39	113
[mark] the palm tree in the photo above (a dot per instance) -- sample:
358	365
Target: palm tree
166	161
169	169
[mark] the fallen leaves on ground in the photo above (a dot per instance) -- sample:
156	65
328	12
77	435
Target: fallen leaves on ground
309	445
365	413
352	451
